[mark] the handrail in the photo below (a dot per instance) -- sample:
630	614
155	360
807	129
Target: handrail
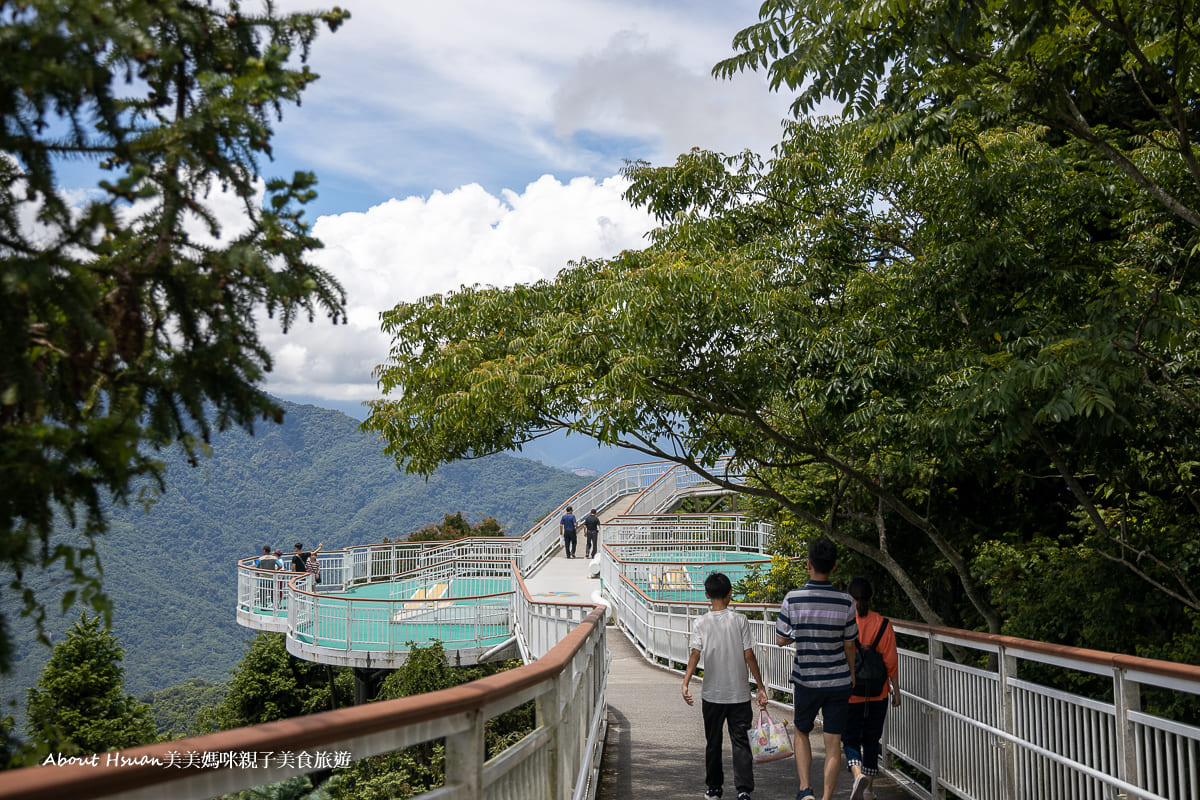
1055	744
565	677
1022	740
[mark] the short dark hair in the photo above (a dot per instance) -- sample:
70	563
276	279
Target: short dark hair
717	585
822	554
299	546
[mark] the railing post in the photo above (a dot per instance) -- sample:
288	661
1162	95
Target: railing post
464	757
1006	673
937	790
1127	697
548	714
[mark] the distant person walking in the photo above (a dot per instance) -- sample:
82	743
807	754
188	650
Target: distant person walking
591	533
723	638
868	709
820	621
566	528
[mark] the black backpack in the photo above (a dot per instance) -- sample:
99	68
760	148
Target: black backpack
870	673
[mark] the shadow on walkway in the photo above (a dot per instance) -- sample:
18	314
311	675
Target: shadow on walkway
655	743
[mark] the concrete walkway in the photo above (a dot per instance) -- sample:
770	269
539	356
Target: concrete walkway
564	580
655	743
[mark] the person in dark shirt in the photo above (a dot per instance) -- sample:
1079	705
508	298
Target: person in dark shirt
299	559
591	533
566	527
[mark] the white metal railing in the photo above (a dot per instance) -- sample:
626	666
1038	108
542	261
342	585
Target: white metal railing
559	760
979	733
377	562
673	482
733	531
364	631
978	729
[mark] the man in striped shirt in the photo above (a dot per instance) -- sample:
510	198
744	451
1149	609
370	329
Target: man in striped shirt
820	621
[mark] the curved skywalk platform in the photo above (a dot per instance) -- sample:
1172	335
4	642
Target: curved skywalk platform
974	721
374	602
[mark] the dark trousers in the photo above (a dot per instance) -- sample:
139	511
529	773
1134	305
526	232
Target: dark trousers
864	729
589	548
569	540
736	717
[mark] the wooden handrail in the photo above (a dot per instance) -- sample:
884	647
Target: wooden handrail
142	767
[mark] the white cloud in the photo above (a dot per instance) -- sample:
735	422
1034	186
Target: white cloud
631	88
477	89
406	249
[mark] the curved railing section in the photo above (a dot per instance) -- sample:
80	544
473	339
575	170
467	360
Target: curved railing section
975	731
466	604
559	760
973	726
332	623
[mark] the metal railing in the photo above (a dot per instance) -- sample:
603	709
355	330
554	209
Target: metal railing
353	566
674	481
975	726
559	760
977	729
378	632
734	531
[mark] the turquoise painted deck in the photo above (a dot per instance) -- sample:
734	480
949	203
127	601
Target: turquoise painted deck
685	583
456	588
474	612
413	611
712	557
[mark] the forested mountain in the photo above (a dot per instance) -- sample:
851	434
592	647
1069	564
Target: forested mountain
171	570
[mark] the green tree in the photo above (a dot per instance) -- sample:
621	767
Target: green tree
176	708
270	683
79	704
130	316
1117	77
897	354
455	526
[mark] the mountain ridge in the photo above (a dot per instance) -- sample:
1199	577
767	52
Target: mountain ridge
170	571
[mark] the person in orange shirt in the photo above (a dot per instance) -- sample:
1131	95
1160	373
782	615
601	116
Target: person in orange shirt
864	729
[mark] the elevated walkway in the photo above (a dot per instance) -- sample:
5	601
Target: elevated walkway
971	725
655	743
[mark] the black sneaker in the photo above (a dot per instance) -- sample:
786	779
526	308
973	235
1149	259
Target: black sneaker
712	794
743	796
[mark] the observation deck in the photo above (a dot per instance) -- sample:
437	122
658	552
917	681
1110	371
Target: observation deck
972	724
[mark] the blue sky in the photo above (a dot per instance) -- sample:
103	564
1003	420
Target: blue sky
465	142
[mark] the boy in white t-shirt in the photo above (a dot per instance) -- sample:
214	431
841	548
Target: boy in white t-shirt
723	638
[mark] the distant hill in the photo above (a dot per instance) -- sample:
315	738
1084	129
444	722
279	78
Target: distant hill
577	454
315	478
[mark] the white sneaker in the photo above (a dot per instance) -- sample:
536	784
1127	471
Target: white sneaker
859	783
